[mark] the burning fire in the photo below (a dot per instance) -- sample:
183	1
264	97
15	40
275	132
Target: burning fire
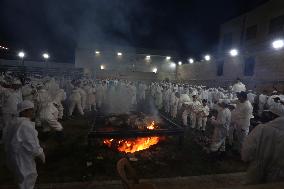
151	126
134	145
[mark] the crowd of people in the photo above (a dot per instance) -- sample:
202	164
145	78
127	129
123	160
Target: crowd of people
233	112
40	103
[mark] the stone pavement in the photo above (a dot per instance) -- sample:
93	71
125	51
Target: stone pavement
200	182
220	181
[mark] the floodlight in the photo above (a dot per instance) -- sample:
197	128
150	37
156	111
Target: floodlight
278	44
207	57
234	52
45	56
21	54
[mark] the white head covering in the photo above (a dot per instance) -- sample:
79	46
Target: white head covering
25	105
225	101
187	103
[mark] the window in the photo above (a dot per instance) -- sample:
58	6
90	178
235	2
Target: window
249	66
227	41
251	32
276	25
220	66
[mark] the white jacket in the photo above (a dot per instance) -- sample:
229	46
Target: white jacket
22	146
243	114
264	149
75	95
13	98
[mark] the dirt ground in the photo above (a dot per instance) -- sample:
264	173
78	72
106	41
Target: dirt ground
74	160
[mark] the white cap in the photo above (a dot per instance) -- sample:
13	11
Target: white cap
225	101
25	105
194	93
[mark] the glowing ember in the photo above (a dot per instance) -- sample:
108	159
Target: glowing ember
134	145
152	126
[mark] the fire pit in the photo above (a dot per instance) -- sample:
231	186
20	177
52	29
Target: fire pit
129	133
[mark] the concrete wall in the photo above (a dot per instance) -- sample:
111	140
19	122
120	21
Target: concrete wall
197	71
130	63
36	64
131	76
41	68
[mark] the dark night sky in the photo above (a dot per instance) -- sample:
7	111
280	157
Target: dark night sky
190	27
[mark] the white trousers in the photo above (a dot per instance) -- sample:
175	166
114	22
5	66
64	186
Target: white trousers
184	117
193	120
76	104
53	124
202	121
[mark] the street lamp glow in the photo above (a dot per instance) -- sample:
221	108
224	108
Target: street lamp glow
278	44
98	52
119	54
102	67
155	70
45	56
234	52
168	58
207	57
148	57
172	65
191	61
179	63
21	54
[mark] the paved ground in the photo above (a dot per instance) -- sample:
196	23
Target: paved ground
198	182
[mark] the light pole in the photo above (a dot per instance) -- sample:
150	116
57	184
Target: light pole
174	67
21	54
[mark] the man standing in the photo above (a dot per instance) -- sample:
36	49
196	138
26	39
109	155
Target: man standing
75	100
13	97
202	115
264	149
221	127
195	107
22	146
243	114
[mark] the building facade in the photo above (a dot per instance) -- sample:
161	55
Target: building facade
252	35
107	63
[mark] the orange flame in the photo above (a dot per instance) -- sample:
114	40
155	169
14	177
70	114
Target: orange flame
134	145
151	126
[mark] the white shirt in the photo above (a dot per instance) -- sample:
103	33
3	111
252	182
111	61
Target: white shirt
244	112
